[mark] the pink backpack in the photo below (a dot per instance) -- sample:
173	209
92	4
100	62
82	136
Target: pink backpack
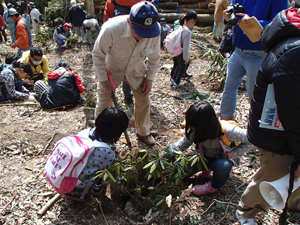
172	43
67	159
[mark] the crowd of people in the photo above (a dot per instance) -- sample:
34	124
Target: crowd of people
131	35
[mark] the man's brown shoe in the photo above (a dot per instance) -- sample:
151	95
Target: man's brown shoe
149	140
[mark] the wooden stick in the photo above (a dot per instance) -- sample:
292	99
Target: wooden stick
49	204
99	203
15	104
43	150
7	204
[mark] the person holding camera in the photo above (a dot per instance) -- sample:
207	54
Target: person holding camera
247	56
279	149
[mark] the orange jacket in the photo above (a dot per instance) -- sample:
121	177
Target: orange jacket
23	40
110	7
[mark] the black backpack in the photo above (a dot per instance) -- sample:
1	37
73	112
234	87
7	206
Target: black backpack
62	91
120	10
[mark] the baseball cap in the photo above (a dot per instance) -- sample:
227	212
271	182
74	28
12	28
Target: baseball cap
67	26
73	3
155	1
9	5
87	23
143	18
12	12
31	4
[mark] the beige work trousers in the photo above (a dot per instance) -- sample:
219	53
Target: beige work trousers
141	106
36	27
272	167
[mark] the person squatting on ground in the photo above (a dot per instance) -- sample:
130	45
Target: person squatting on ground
278	149
61	34
110	124
219	25
76	16
247	56
35	18
22	31
123	45
11	84
222	143
39	65
91	27
10	22
112	9
63	89
2	30
181	62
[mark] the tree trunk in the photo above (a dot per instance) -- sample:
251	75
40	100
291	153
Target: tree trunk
202	18
89	4
168	5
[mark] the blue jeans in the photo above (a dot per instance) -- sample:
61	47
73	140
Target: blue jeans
221	168
12	32
239	64
18	87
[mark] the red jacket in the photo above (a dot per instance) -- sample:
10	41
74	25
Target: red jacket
110	7
2	24
22	35
53	75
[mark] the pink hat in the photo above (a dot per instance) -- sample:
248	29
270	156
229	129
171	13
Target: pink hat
67	26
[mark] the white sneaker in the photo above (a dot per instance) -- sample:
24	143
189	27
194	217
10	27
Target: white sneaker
243	220
178	85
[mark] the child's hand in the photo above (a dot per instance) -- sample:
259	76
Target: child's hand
227	154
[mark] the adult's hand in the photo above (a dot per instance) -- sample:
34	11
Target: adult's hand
297	173
13	45
226	14
27	81
146	87
108	88
186	62
245	17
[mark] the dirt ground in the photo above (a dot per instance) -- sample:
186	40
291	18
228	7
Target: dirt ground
28	134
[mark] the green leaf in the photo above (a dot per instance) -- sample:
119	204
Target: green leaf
151	188
111	177
161	201
148	165
194	161
161	164
203	163
153	167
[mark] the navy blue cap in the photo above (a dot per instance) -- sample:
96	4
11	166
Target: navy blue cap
143	18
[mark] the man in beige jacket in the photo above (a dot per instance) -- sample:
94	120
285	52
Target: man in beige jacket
123	45
219	25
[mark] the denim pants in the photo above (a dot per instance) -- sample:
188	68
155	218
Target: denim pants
239	64
18	87
11	28
221	168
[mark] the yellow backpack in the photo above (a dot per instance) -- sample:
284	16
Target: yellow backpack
224	137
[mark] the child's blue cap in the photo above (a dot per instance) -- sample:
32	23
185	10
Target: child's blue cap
143	18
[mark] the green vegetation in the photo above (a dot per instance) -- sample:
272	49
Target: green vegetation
150	178
218	66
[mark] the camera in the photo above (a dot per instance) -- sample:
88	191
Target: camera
235	8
